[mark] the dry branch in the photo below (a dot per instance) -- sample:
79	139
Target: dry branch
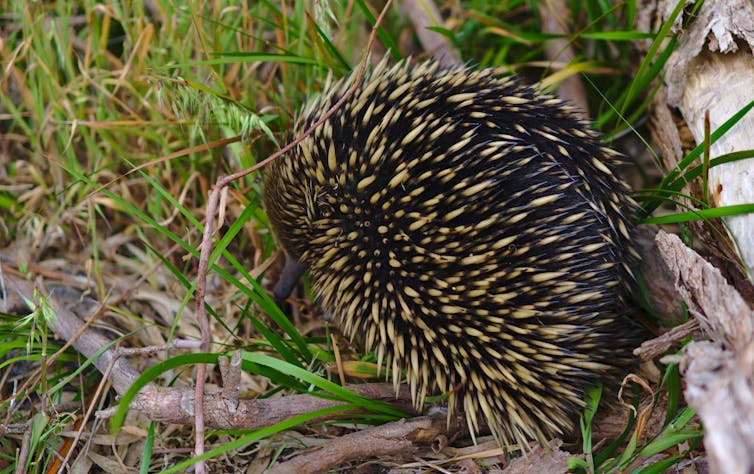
722	312
719	373
397	438
663	296
175	405
556	20
654	348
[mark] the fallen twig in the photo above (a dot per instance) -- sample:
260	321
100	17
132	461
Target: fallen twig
400	437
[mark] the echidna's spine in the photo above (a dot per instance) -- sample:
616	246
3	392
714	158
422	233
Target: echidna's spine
471	231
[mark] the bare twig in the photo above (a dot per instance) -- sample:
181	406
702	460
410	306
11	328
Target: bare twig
424	14
556	20
23	454
397	438
657	346
230	369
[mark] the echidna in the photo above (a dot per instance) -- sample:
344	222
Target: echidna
470	230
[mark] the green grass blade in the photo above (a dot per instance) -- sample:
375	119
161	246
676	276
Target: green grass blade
702	214
672	175
323	384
